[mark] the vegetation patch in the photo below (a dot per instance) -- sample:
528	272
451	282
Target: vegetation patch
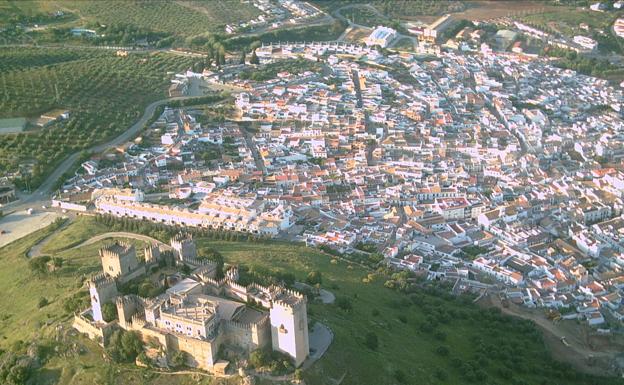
104	95
271	71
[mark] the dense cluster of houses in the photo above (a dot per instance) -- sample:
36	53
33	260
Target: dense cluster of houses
494	168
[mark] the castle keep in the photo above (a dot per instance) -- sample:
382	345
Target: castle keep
119	261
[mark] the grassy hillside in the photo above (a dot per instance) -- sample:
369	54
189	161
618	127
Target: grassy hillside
104	94
428	337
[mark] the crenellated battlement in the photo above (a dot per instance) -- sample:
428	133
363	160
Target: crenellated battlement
236	286
151	253
138	320
239	325
181	237
289	299
131	299
99	280
200	262
116	249
183	247
232	273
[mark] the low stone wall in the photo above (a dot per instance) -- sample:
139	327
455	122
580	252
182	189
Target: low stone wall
97	332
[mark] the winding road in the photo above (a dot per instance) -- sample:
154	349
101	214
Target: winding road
121	234
39	197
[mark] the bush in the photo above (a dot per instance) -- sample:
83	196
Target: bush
442	350
344	303
124	346
276	362
259	358
39	265
400	376
439	335
43	301
440	374
314	278
178	359
76	302
15	369
371	341
144	359
109	312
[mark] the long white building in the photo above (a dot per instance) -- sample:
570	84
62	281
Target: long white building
218	217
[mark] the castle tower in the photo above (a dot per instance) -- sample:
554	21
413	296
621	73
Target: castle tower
152	254
119	259
128	306
183	247
102	289
289	325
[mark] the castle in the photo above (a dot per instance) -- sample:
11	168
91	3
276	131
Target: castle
200	314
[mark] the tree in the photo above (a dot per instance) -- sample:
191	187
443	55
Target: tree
400	376
39	265
43	301
76	302
259	358
298	376
243	57
124	346
314	277
178	359
344	303
371	341
109	311
15	369
254	58
144	359
443	351
57	262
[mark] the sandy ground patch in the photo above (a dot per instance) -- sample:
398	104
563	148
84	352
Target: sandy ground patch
20	224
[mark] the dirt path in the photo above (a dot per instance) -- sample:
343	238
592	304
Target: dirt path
576	352
35	251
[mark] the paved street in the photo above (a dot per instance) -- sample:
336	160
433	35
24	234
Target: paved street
320	339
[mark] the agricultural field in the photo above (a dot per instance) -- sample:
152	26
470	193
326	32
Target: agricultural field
363	16
103	93
184	18
566	21
487	346
398	8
